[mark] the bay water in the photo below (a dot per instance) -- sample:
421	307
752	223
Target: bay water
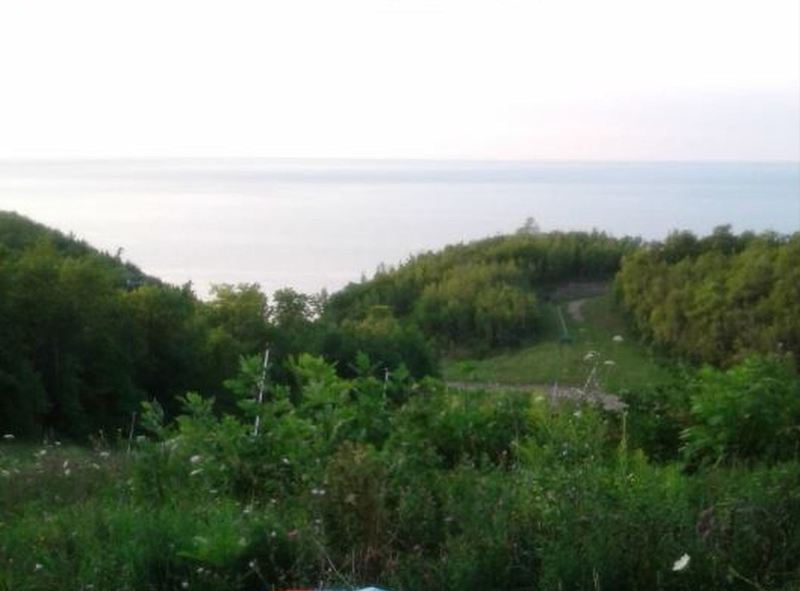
312	224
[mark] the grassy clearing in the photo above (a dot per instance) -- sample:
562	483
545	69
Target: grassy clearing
550	360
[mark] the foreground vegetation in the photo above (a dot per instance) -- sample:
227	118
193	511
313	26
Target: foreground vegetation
361	466
416	487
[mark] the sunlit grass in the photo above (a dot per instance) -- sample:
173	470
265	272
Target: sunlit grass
550	360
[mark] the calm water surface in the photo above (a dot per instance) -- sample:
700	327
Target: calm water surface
314	224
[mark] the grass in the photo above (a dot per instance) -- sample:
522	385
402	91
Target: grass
549	360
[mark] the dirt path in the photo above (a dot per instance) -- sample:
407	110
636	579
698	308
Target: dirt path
553	393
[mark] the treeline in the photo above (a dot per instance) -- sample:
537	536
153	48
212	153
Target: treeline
482	294
719	298
85	337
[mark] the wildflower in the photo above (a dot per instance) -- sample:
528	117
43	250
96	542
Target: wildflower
617	338
65	465
196	459
681	563
8	437
95	466
252	564
57	443
285	461
609	362
104	454
41	452
577	414
185	585
195	472
242	542
37	567
67	472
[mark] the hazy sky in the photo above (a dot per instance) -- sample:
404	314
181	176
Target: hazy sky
611	79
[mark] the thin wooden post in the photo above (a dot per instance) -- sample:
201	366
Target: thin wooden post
261	384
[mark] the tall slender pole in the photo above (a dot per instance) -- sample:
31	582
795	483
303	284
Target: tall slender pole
130	432
262	382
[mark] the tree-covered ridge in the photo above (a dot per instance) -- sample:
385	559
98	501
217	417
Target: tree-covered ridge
716	299
19	234
85	337
482	293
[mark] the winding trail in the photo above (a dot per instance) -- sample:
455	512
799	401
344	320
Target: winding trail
554	393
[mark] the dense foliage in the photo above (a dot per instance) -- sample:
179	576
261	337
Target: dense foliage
482	294
85	337
401	483
719	298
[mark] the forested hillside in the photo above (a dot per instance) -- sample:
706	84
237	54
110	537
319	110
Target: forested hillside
482	294
86	337
716	299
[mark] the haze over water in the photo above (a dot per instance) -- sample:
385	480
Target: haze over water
313	224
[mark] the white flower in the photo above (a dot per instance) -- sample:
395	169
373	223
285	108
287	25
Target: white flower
5	473
252	564
185	585
195	472
591	355
65	465
8	437
609	362
617	338
67	472
196	459
104	454
57	443
681	563
38	566
285	461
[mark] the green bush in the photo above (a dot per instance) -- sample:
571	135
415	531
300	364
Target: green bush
749	412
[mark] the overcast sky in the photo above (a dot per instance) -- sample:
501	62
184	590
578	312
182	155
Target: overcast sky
494	79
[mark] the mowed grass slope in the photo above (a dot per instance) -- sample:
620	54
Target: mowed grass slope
620	365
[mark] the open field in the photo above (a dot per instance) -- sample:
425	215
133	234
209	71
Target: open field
592	327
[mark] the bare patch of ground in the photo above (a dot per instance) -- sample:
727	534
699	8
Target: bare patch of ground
554	393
